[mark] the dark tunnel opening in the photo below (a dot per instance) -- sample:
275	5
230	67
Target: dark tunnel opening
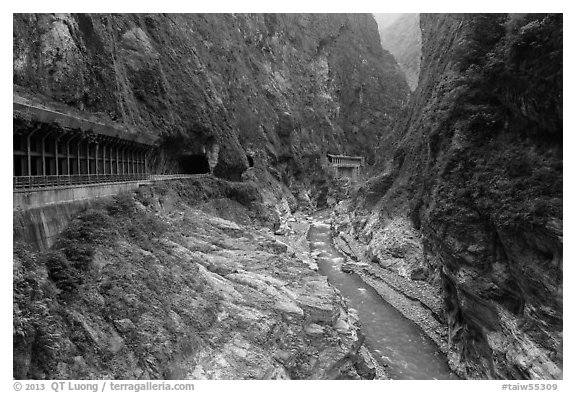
250	161
194	164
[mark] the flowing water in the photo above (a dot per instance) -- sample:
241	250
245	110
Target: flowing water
397	342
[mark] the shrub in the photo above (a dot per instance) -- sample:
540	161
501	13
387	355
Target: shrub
61	271
123	204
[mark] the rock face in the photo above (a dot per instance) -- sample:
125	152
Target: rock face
403	39
156	285
280	89
477	163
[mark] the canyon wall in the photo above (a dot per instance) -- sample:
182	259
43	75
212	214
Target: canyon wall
468	200
280	89
403	39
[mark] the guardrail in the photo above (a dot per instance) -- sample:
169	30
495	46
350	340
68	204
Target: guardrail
25	182
30	182
178	176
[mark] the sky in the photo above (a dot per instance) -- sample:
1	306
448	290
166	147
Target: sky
385	20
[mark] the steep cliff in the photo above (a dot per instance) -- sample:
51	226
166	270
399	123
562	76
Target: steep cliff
476	161
403	39
282	89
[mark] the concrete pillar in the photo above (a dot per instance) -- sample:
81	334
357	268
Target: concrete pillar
117	159
43	146
131	160
78	156
56	153
28	155
43	156
133	154
96	158
135	160
123	160
29	151
87	156
104	157
68	155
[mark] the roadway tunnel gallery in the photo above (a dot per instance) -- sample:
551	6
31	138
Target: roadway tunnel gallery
43	150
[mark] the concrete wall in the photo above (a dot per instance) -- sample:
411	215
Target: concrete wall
39	227
24	200
40	215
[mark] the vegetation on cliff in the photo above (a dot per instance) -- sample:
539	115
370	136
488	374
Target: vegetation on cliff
477	159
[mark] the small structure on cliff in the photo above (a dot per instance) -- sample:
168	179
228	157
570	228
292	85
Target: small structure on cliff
346	166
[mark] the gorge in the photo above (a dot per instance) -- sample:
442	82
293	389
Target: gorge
244	266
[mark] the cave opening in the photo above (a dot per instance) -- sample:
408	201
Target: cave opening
250	161
194	164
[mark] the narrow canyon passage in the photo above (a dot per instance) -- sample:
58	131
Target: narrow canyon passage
168	170
397	342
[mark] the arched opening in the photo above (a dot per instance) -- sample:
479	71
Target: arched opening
194	164
250	161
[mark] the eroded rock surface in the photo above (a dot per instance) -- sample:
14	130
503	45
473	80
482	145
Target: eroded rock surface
166	290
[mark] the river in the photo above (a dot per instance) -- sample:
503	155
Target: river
398	343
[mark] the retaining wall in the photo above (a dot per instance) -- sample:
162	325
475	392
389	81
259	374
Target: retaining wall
40	215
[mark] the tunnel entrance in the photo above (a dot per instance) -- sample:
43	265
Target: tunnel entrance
250	161
194	164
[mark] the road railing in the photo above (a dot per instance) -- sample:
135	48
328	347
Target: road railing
27	182
32	182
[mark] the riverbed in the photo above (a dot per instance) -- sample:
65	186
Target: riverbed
398	343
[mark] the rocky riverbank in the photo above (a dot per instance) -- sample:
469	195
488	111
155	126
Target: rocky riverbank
295	233
388	253
388	266
170	287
